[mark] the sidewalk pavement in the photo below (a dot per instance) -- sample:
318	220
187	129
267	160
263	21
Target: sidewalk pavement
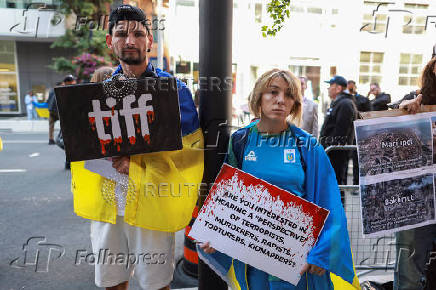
21	124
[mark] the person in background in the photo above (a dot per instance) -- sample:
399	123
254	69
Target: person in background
99	75
416	248
363	105
29	98
277	103
197	99
102	74
53	113
338	126
426	95
381	99
310	111
53	108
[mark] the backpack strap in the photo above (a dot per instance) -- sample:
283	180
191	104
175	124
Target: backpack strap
239	142
303	163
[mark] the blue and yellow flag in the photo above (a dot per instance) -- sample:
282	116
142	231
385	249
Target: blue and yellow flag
332	251
164	192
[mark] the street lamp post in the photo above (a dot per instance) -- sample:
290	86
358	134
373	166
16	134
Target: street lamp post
215	100
160	36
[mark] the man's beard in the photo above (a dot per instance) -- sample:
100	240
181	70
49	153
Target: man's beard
132	60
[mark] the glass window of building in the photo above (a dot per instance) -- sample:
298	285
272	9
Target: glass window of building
253	75
313	75
370	70
415	6
296	9
414	24
30	4
376	23
410	67
314	10
258	12
9	99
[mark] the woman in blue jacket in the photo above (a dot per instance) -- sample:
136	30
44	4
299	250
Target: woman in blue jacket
277	103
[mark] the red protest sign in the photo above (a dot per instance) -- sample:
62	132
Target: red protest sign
259	224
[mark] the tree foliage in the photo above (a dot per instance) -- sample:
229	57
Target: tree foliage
83	37
278	11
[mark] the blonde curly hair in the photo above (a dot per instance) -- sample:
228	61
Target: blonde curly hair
294	90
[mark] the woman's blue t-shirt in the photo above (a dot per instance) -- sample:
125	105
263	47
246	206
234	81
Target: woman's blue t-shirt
275	159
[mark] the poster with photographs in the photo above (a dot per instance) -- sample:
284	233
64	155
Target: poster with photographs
398	204
394	146
433	126
119	117
397	168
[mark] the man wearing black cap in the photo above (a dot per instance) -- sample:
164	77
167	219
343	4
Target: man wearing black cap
156	202
53	108
338	125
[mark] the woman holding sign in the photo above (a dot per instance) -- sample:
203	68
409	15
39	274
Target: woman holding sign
426	95
276	101
411	271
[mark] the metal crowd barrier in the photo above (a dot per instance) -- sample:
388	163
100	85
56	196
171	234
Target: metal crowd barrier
369	254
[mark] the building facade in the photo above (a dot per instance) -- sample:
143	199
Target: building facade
365	41
25	37
28	29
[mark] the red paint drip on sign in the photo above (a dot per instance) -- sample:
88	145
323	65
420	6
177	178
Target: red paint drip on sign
136	116
150	115
147	139
92	122
118	141
106	120
132	140
103	143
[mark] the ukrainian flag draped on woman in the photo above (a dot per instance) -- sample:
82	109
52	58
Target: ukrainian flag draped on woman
275	98
332	251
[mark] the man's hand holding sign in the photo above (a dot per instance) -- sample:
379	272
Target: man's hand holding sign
119	118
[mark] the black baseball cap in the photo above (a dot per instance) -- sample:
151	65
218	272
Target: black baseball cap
69	78
338	80
126	12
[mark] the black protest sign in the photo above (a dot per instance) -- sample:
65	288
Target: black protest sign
119	117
